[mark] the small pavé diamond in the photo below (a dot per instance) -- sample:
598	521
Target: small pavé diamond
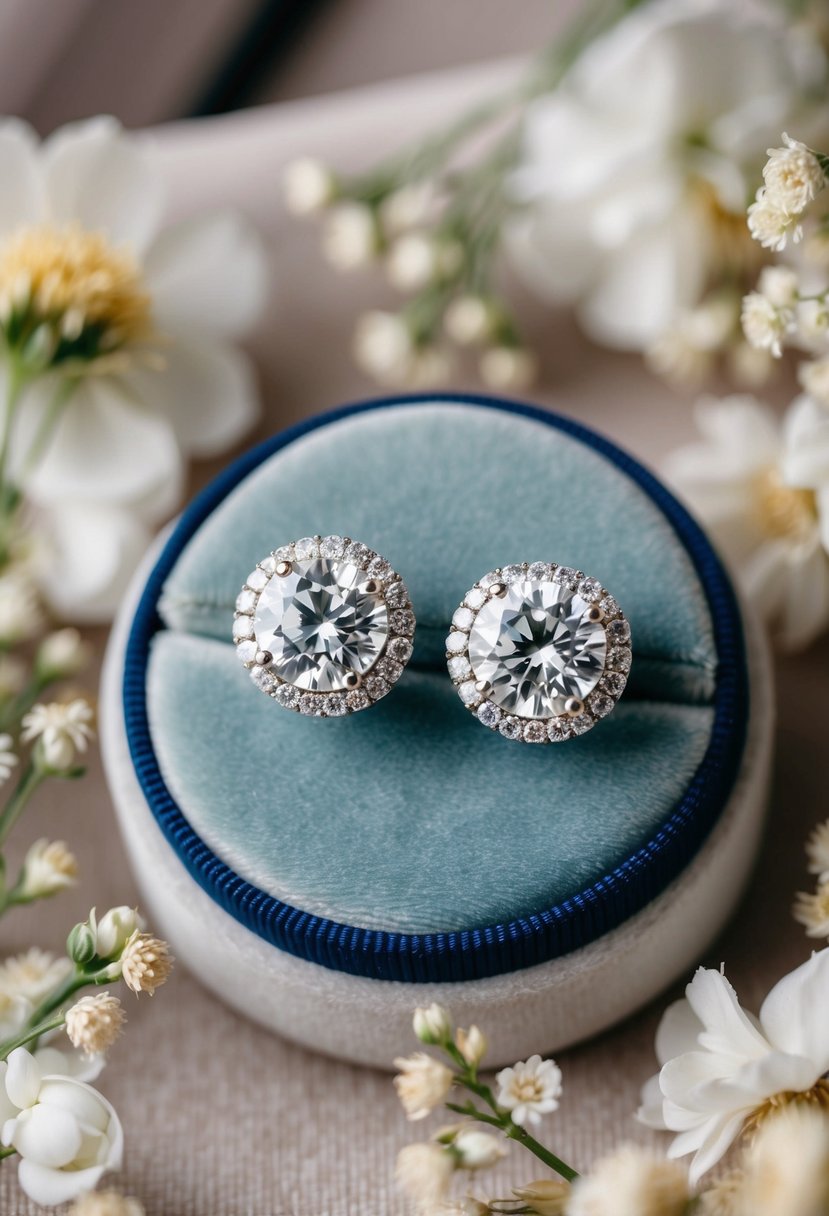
285	553
246	601
511	728
618	631
268	564
463	618
539	571
566	576
535	732
335	706
475	598
468	693
306	548
402	622
610	606
310	704
590	589
257	579
600	703
359	555
489	579
614	683
511	574
558	729
377	687
332	546
358	699
456	642
263	678
389	670
288	696
581	724
243	627
397	596
619	659
400	649
489	714
378	567
246	651
459	667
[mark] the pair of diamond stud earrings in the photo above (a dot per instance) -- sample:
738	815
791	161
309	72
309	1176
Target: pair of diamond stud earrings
538	652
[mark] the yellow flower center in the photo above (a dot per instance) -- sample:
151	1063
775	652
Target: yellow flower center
817	1098
89	293
784	511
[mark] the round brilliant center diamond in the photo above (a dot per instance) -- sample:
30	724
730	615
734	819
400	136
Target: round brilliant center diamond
535	646
321	624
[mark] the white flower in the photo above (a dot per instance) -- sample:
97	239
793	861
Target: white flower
424	1172
350	236
762	488
508	368
529	1089
469	320
636	168
62	654
66	1134
146	963
685	353
94	1023
412	262
793	176
407	207
21	616
89	202
764	325
772	226
385	350
631	1181
814	377
546	1196
8	759
477	1150
812	911
721	1066
817	851
308	185
106	1203
33	975
63	731
114	929
432	1024
422	1083
49	867
787	1166
812	318
472	1044
779	284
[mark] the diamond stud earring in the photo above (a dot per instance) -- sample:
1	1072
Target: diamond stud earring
539	652
324	626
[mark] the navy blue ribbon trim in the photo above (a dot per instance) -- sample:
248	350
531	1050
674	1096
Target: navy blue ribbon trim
493	949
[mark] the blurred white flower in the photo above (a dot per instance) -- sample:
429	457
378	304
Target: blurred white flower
814	377
66	1134
721	1066
432	1023
350	238
469	320
423	1172
529	1089
771	226
412	262
422	1083
106	1203
636	169
546	1196
508	368
787	1165
21	615
62	654
33	975
308	185
81	237
472	1044
793	176
631	1181
477	1150
685	353
762	488
385	349
49	867
407	207
8	759
817	851
63	730
812	911
764	324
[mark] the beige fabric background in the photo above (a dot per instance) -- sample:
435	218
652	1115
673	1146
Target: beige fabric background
222	1119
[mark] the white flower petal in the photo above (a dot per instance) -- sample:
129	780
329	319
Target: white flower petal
48	1136
208	273
105	447
804	460
794	1014
22	1078
678	1031
103	179
21	197
777	1072
726	1028
717	1137
49	1187
97	548
53	1062
8	1110
788	585
207	390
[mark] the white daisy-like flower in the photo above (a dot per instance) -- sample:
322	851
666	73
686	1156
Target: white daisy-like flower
721	1067
762	489
33	974
529	1089
8	758
82	242
422	1083
63	730
793	175
811	909
631	1181
764	324
817	851
770	225
49	867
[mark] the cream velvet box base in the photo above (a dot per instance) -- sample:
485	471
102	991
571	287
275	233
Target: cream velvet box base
327	876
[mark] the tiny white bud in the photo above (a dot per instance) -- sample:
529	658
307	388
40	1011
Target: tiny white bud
472	1044
477	1150
432	1024
469	320
412	262
62	654
546	1196
308	185
407	207
508	368
383	347
114	929
350	236
49	867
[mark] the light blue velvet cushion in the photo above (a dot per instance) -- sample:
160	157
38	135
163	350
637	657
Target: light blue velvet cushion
411	816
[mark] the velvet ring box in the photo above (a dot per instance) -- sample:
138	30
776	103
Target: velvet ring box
326	876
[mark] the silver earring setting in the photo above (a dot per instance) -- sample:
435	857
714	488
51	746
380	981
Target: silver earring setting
539	652
324	626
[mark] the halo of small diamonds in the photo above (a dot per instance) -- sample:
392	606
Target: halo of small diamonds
571	675
324	626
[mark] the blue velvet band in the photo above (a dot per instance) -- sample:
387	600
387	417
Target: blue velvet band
491	949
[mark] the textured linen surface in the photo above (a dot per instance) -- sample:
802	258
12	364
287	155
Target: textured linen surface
222	1118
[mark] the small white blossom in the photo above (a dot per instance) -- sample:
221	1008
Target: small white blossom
632	1181
350	236
529	1089
770	225
94	1023
407	207
469	320
424	1172
814	377
812	323
787	1165
106	1203
765	325
477	1150
7	757
472	1045
62	654
114	929
793	176
49	867
779	284
508	368
33	975
817	851
422	1083
308	186
385	350
146	963
749	367
546	1196
432	1024
413	262
21	615
812	911
63	731
65	1133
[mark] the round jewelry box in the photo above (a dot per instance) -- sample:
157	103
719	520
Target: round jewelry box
331	874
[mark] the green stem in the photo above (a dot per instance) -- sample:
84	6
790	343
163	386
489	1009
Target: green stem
7	1152
543	1154
30	779
63	392
32	1032
14	391
12	713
